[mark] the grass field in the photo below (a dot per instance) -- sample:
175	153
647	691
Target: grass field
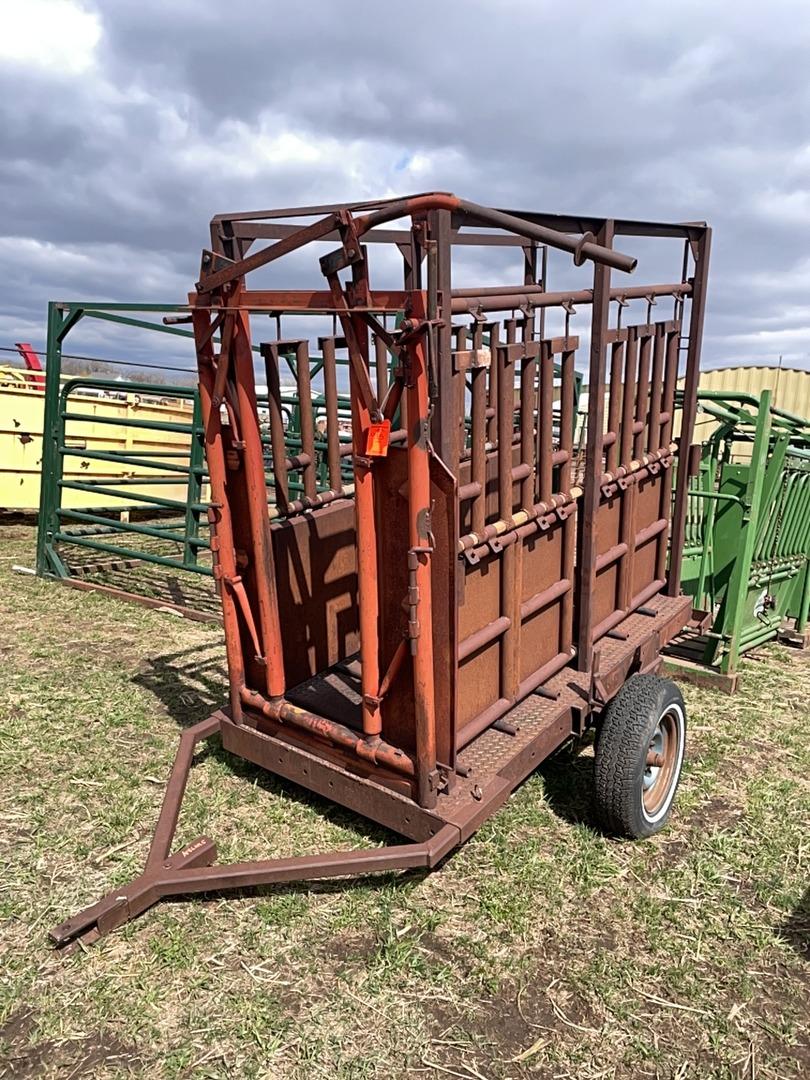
541	948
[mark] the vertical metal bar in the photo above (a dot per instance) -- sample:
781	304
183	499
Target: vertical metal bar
492	396
569	534
670	382
542	282
657	389
567	392
706	518
332	422
528	369
50	491
614	404
654	443
196	462
460	343
586	563
367	563
446	419
419	563
277	444
509	591
478	436
624	567
803	612
304	382
505	417
529	278
642	396
381	366
222	546
545	423
737	590
629	397
696	318
263	576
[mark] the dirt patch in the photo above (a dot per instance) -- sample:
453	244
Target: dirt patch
440	947
75	1058
22	1060
349	949
14	531
715	815
514	1018
18	1027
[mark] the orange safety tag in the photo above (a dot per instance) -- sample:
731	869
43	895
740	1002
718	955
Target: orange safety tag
378	437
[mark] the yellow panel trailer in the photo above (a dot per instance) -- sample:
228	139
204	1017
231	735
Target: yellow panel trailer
98	420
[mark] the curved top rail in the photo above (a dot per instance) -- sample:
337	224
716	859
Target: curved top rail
581	247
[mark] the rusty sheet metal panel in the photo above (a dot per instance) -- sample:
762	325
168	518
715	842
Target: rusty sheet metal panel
316	569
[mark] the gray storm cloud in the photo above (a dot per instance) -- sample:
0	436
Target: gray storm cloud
125	128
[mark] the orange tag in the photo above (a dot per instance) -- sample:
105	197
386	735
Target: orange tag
378	436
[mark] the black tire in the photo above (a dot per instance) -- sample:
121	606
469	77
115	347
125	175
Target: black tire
633	797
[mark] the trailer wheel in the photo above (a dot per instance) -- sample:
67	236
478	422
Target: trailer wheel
639	754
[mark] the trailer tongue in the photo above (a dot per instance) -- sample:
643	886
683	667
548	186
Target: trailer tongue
413	642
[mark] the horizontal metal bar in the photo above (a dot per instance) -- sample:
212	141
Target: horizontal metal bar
301	868
184	393
128	526
132	422
112	493
718	496
246	230
485	636
544	599
128	553
125	459
313	301
462	305
139	598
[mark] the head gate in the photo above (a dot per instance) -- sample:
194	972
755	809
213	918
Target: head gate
482	540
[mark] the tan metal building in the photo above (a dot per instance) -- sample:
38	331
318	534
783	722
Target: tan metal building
791	386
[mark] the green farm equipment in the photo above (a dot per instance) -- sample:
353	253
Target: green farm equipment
746	561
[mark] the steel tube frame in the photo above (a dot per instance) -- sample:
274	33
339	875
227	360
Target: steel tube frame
526	463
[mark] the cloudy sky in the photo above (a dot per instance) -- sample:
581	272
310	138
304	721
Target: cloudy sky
127	123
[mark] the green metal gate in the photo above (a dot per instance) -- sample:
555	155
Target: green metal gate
141	530
747	555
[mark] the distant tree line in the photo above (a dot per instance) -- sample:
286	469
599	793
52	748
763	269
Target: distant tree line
72	365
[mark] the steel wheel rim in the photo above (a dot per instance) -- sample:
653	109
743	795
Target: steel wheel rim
657	780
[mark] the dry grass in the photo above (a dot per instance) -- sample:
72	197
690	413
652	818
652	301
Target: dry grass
540	949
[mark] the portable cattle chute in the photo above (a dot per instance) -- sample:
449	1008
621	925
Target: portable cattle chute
412	642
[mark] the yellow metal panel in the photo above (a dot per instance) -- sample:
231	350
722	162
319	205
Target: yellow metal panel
21	420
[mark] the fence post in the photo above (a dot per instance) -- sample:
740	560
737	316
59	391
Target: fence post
49	491
196	461
737	592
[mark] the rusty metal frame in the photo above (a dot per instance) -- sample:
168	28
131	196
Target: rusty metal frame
500	587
